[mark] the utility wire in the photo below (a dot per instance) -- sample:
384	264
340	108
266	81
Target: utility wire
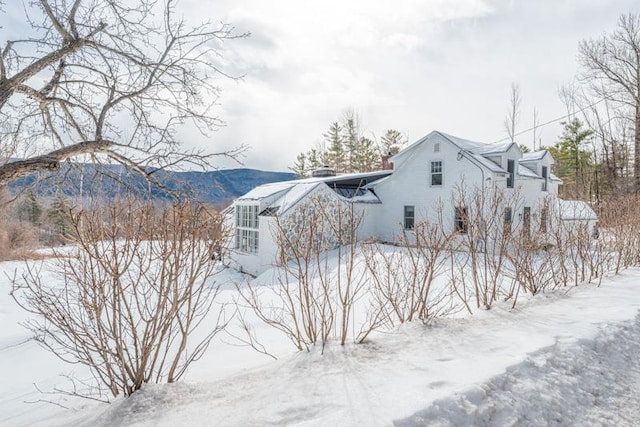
550	121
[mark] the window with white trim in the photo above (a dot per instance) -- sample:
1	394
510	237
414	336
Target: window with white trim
409	217
247	228
436	173
545	176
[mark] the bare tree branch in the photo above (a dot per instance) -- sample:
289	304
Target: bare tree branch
91	71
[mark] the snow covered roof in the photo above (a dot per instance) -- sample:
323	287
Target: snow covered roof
534	156
478	152
487	163
294	195
489	149
524	171
576	210
351	187
465	144
267	190
471	150
357	187
352	179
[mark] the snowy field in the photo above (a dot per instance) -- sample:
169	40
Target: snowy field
562	358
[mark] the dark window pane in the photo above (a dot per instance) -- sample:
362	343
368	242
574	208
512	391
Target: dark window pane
511	168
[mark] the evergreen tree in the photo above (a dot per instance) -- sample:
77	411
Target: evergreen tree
347	150
351	140
367	157
336	156
58	215
391	142
574	164
315	159
29	209
300	167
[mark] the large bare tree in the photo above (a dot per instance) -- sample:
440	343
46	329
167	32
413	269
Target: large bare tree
109	80
611	65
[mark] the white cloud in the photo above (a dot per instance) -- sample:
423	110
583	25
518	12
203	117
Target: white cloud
414	65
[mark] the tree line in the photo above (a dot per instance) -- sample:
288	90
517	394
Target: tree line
346	149
598	152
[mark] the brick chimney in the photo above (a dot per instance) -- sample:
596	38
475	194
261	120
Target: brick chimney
386	164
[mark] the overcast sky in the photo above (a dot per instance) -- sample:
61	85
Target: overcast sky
411	65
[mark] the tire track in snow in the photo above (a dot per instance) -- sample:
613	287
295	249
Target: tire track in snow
590	383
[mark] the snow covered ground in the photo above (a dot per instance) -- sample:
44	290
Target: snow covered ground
566	358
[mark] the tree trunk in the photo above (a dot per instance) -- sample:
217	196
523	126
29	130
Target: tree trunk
20	168
636	152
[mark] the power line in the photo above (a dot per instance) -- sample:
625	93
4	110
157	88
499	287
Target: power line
550	121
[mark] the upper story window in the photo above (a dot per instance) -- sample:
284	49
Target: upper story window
436	147
511	170
436	173
247	228
409	217
545	176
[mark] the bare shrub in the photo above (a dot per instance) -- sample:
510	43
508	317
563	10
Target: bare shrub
485	234
17	238
403	277
600	259
558	253
320	276
528	266
129	298
620	225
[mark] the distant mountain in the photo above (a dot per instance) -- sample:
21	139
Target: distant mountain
77	180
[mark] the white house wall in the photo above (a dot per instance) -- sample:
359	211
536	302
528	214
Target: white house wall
266	257
369	226
411	186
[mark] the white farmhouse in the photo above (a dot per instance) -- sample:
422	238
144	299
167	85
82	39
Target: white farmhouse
418	178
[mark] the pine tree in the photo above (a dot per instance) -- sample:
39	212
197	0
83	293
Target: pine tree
315	160
300	167
336	156
29	209
351	139
347	150
391	142
58	215
367	157
574	164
